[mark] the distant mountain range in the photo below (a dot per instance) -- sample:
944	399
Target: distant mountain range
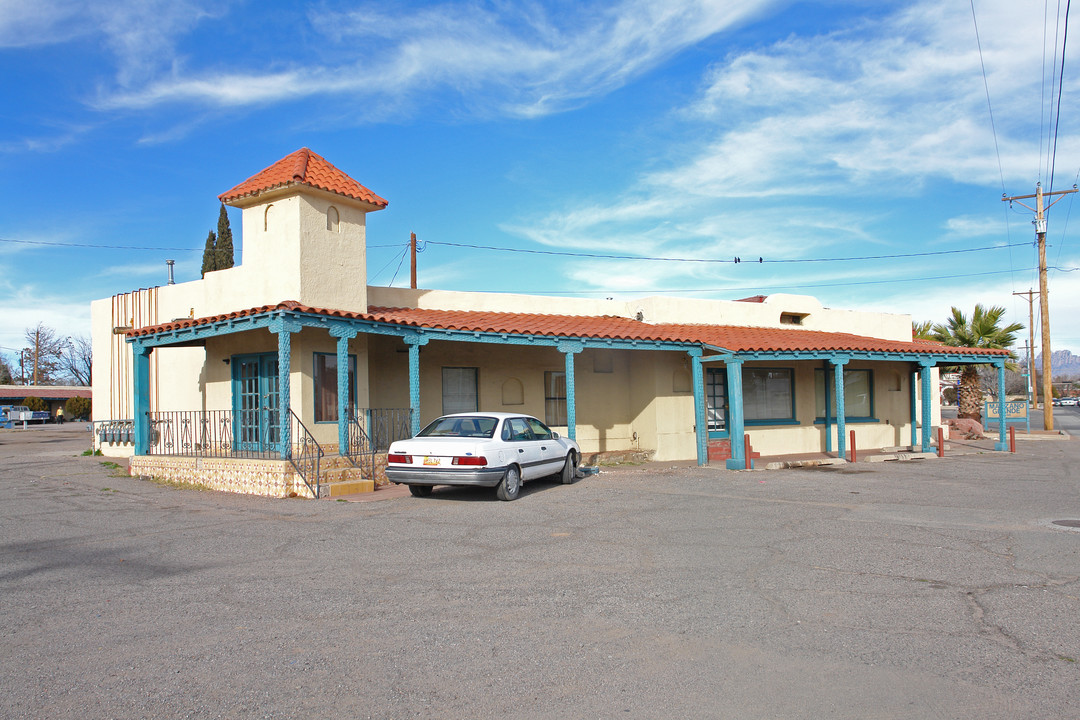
1062	364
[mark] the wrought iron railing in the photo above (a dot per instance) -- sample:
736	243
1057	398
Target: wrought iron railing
385	425
359	449
223	433
305	454
200	433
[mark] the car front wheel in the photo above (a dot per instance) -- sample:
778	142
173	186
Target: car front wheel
569	469
510	485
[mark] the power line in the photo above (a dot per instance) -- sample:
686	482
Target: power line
98	247
599	256
1061	83
94	246
986	85
754	288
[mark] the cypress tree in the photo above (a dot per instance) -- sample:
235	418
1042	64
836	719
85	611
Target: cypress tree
224	241
209	255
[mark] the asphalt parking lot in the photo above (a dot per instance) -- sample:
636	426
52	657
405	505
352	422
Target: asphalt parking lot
927	589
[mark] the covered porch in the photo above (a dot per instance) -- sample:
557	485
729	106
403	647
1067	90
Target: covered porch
262	356
832	418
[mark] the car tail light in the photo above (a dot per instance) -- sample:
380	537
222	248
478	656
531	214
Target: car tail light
403	459
470	460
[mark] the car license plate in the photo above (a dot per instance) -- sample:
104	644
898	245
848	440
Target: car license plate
432	461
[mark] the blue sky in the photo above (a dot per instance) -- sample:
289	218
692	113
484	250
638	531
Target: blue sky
826	138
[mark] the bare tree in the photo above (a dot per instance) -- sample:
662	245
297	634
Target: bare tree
78	359
41	359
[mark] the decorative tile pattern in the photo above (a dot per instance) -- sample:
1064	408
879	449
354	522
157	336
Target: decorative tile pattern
268	478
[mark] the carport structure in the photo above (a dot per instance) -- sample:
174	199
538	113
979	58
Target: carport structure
739	351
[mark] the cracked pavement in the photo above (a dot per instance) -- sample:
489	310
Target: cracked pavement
926	589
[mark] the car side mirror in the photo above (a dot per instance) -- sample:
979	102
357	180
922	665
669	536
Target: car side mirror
554	434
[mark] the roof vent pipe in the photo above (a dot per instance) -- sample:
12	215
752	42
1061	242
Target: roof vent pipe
170	263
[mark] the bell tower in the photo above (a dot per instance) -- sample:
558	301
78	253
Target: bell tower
304	233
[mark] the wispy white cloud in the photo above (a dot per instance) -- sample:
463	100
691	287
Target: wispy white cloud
973	226
44	22
141	34
507	59
23	306
846	122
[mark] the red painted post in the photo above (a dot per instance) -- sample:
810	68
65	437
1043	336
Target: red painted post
1012	438
852	443
746	452
940	441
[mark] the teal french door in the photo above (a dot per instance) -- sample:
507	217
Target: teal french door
256	403
717	404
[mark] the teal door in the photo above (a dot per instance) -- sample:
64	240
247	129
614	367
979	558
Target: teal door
716	397
256	403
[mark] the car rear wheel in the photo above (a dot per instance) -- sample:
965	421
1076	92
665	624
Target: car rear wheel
569	469
510	485
420	490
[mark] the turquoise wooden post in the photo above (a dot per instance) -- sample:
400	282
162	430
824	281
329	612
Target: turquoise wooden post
841	412
343	335
701	428
926	365
1001	444
914	409
735	408
415	342
284	329
569	349
828	405
141	400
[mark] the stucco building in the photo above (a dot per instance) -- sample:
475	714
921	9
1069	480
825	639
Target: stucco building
239	380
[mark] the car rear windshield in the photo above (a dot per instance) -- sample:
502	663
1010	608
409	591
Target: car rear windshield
473	427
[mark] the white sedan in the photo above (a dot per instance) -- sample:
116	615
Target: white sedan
500	450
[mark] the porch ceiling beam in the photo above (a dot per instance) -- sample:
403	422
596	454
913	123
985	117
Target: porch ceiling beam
200	333
931	358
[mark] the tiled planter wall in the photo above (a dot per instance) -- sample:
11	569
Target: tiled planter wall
269	478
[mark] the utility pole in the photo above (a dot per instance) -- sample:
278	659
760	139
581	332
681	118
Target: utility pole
1031	345
1044	304
412	246
37	352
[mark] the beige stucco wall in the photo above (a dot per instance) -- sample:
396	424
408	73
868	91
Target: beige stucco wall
662	310
289	254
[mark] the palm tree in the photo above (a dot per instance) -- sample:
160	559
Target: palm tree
983	331
923	330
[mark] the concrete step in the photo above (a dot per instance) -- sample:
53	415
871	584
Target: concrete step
344	481
346	487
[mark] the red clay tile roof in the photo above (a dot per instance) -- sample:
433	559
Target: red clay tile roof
49	392
733	338
303	167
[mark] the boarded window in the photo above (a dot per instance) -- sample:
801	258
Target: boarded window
325	377
858	394
459	392
768	395
555	398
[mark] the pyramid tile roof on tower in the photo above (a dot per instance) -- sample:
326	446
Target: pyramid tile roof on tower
303	167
